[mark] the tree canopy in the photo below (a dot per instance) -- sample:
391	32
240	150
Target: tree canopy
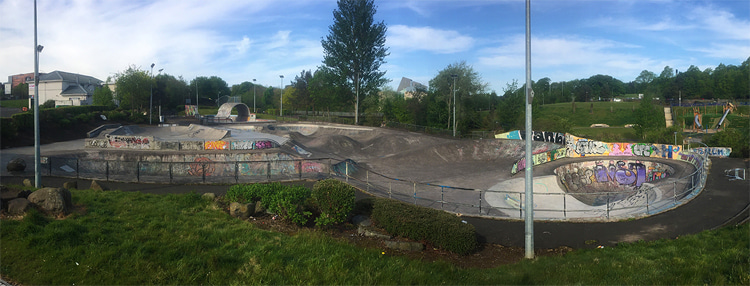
355	48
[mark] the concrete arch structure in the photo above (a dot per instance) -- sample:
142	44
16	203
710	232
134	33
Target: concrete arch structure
225	111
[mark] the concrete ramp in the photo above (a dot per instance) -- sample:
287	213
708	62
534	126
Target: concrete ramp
225	111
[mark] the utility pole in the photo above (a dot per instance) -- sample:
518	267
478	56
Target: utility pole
529	186
37	152
454	76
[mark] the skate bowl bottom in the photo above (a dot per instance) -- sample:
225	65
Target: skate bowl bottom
607	189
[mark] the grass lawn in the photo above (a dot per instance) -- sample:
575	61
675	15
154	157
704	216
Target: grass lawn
15	103
615	114
610	134
119	237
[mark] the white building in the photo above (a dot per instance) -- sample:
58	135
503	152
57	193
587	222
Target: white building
66	88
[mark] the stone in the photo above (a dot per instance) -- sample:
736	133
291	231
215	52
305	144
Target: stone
18	206
27	183
361	220
209	196
404	245
52	200
364	231
10	194
259	208
16	165
95	186
239	210
71	185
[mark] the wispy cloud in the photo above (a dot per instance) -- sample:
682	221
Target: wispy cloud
428	39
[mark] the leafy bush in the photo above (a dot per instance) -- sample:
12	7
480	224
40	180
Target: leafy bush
48	104
116	115
737	139
7	128
440	228
245	193
334	199
23	120
84	117
64	122
289	203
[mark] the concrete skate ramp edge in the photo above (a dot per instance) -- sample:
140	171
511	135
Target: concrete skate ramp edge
225	111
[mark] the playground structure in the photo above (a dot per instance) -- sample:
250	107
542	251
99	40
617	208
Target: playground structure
711	117
729	107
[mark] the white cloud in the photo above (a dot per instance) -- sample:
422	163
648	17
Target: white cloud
721	23
427	39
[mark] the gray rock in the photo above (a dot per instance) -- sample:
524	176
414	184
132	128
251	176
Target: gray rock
209	196
71	185
240	210
18	206
95	186
404	245
364	231
16	165
52	200
8	194
361	220
259	209
27	182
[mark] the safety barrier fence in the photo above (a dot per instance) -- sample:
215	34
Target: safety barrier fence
646	200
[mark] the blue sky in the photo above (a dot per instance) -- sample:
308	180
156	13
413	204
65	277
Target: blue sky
241	40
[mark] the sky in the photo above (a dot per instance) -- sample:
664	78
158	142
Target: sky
262	39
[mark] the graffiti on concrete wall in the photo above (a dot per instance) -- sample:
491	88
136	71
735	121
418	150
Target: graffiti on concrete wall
97	143
215	145
721	152
539	136
581	147
594	176
129	142
539	158
252	145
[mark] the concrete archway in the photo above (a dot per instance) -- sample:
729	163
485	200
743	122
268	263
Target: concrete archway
243	112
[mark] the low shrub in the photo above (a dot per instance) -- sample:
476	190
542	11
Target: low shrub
440	228
334	199
245	193
24	120
290	204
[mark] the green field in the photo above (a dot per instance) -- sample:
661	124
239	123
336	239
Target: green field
614	114
15	103
133	238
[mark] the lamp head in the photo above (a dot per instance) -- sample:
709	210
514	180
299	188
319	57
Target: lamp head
152	65
39	48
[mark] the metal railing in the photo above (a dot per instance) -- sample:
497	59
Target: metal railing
646	200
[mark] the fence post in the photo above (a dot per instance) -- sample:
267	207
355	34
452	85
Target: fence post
647	203
268	170
442	197
106	170
236	172
367	180
415	193
78	170
480	201
390	187
138	171
49	165
674	192
346	170
520	204
203	166
300	169
607	205
171	176
565	206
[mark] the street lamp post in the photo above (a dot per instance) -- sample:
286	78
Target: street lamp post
253	95
454	76
151	98
281	87
37	152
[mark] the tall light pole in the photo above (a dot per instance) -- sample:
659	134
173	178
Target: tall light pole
197	114
281	87
356	109
37	152
253	95
529	183
454	76
151	98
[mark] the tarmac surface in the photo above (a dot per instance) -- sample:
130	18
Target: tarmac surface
470	164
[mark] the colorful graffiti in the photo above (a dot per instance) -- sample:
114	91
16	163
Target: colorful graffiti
595	176
581	147
129	142
539	158
539	136
215	145
201	166
721	152
252	145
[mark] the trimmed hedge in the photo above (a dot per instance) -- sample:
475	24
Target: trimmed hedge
440	228
288	202
334	199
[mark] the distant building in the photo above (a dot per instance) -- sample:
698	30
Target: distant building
66	88
17	79
408	87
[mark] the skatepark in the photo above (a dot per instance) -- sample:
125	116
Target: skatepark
467	177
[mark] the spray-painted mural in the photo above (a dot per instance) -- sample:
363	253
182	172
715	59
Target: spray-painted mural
539	158
721	152
581	147
252	145
215	145
539	136
129	142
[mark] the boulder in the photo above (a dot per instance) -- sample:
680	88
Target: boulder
240	210
209	196
27	182
18	206
404	245
95	186
70	185
259	209
10	194
16	165
367	232
361	220
52	200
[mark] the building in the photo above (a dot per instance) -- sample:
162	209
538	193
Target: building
17	79
408	87
66	88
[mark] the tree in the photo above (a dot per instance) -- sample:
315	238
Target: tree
20	91
301	96
355	48
103	96
468	84
643	80
133	88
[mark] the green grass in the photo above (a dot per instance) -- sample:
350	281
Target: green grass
15	103
611	134
612	113
135	238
